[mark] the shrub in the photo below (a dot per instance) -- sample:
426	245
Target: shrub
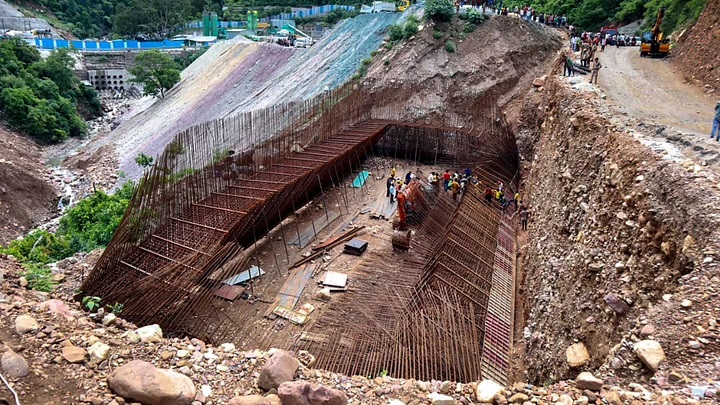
468	27
39	277
395	32
386	62
450	46
439	10
411	28
373	53
476	17
438	35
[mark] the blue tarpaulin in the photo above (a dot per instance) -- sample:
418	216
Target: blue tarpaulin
360	179
243	277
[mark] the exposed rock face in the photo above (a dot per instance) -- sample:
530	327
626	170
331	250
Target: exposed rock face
143	382
14	365
650	353
280	368
304	393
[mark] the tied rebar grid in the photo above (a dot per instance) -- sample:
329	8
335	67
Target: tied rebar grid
221	186
437	315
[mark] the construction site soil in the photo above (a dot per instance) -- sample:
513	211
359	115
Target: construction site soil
26	194
622	245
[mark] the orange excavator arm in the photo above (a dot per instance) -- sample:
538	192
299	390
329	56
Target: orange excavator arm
656	29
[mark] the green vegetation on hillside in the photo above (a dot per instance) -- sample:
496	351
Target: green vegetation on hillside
86	226
97	18
593	14
43	98
156	71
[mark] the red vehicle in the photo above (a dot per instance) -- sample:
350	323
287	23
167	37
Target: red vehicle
609	31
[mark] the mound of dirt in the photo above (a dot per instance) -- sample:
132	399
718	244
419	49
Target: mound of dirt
501	56
26	195
696	55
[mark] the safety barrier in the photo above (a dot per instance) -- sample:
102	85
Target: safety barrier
105	46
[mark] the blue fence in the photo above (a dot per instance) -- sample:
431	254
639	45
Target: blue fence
44	43
296	13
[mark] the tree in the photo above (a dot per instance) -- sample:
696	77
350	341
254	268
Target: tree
144	160
156	72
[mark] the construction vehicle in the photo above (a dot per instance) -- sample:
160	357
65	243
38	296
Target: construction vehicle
378	7
653	43
404	5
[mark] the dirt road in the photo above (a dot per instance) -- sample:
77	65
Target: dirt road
675	117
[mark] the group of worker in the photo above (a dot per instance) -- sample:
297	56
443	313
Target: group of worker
457	183
396	184
588	48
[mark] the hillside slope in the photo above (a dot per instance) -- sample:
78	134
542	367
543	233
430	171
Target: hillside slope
237	76
696	55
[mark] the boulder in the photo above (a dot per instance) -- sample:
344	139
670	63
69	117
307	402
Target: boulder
577	355
150	333
109	319
304	393
650	353
25	324
440	399
256	400
487	390
143	382
98	351
14	365
587	381
280	368
74	354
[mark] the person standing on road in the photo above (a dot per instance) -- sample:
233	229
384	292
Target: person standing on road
716	123
603	43
393	193
446	180
595	69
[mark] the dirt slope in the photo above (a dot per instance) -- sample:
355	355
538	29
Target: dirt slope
612	248
26	196
503	54
696	55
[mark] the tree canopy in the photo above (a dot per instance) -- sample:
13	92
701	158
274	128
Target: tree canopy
43	97
593	14
156	72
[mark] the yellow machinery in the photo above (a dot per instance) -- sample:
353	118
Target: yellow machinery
404	6
653	43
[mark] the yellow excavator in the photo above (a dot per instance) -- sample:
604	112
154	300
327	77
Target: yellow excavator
404	5
653	43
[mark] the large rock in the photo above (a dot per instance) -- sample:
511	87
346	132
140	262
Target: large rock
280	368
74	354
256	400
304	393
25	324
14	365
577	355
143	382
440	399
99	351
150	333
539	81
650	353
587	381
487	390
